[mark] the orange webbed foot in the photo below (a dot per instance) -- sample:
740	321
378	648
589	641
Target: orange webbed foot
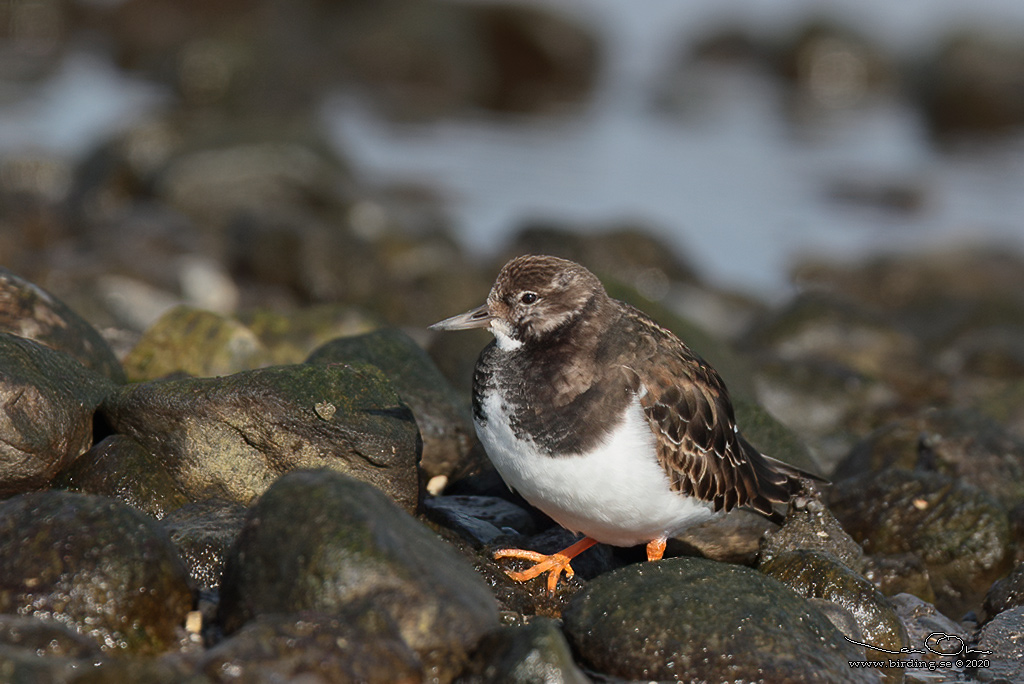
554	564
656	549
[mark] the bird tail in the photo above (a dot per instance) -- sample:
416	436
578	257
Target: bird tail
779	483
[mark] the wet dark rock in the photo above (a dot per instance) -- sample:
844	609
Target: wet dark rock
33	650
291	337
171	669
29	311
988	345
931	294
965	311
897	573
479	519
973	85
734	538
31	207
25	665
203	533
1017	531
1000	398
355	546
415	59
818	326
922	621
536	652
525	527
194	342
231	437
442	414
285	216
95	565
1001	636
218	186
420	279
354	251
109	181
689	618
145	32
361	644
121	468
960	533
840	617
1006	593
830	406
45	637
813	528
306	257
958	443
540	58
501	57
814	574
240	57
973	333
49	399
830	364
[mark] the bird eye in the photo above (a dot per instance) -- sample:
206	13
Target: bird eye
528	297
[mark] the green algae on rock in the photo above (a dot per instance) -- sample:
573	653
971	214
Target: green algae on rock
960	534
525	654
441	413
319	540
695	619
194	342
360	645
49	399
231	437
203	533
814	574
121	468
95	565
29	311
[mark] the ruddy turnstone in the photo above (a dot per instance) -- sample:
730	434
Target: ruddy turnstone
605	420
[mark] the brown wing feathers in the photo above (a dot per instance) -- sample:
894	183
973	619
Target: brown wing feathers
698	444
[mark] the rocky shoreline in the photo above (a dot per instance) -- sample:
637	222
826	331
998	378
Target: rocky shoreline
230	450
180	519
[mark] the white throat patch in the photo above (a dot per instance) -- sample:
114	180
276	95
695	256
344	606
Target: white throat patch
502	334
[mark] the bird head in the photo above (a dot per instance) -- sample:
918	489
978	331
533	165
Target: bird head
532	298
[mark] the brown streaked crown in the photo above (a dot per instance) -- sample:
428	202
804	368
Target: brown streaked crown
537	295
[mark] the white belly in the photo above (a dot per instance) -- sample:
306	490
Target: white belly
617	494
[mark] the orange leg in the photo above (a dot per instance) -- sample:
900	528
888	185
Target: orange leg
656	549
554	565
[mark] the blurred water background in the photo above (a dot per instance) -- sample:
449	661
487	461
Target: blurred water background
746	134
713	156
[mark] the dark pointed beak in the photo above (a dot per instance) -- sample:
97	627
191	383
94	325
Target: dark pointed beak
480	317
